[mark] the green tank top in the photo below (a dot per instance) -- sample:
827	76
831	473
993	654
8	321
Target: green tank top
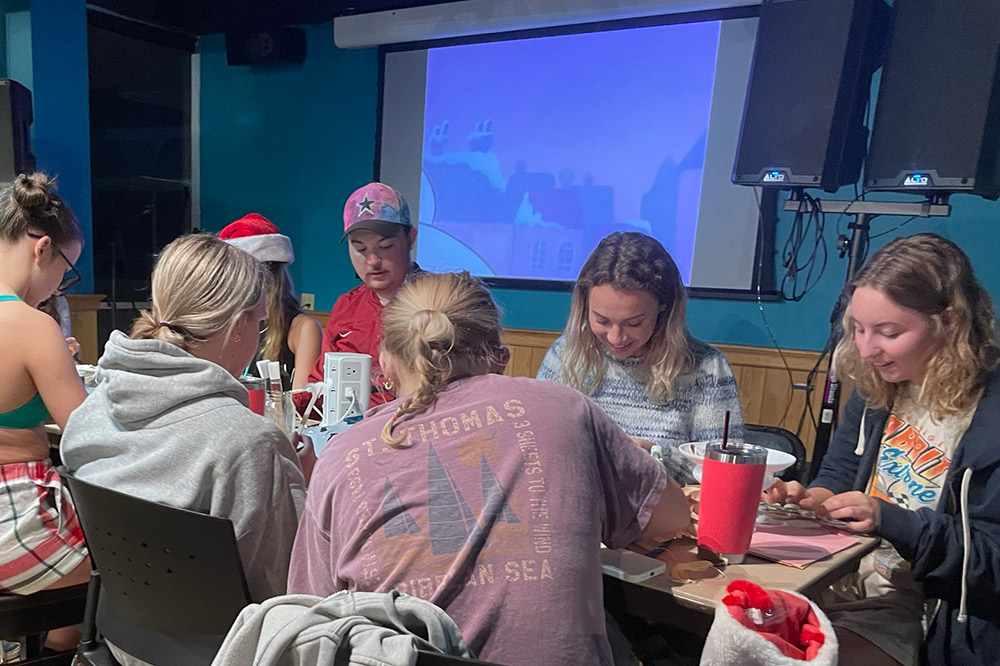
32	413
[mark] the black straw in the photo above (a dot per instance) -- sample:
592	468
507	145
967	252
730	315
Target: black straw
725	432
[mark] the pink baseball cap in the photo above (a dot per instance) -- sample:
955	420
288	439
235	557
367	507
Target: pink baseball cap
376	207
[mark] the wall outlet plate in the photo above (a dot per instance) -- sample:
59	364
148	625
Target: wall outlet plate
308	301
348	379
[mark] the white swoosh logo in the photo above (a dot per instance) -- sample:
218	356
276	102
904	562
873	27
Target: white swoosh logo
344	335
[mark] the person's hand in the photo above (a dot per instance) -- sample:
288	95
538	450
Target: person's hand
791	492
307	454
74	347
860	511
644	443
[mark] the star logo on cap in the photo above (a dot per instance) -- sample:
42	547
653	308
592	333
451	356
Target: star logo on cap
365	206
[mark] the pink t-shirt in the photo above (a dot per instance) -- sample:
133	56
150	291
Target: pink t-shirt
495	512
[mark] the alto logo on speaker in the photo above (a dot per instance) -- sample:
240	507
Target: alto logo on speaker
917	179
774	177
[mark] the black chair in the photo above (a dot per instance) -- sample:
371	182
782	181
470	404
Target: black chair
30	616
773	437
171	581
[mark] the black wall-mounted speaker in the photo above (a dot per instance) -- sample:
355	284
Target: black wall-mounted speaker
265	47
803	122
937	121
15	130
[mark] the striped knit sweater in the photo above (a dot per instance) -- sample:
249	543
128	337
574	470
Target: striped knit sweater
695	413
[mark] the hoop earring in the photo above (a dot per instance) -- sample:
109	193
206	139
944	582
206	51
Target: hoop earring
387	383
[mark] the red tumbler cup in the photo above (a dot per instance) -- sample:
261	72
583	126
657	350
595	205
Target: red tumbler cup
731	480
255	388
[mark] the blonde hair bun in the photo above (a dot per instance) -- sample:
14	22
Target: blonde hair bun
434	329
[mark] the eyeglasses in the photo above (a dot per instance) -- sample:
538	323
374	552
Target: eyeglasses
71	277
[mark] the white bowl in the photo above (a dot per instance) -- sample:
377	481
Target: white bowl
776	460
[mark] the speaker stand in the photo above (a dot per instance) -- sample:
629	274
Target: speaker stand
856	249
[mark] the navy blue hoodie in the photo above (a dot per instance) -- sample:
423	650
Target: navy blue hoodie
933	541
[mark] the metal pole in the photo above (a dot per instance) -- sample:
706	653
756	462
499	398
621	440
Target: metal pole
830	407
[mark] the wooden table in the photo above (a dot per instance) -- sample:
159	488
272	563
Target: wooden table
691	605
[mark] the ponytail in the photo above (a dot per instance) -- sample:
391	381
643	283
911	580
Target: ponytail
439	326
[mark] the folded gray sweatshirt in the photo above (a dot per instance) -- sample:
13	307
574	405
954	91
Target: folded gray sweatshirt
171	428
368	628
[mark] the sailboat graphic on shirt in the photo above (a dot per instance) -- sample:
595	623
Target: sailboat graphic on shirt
494	496
450	522
449	519
401	522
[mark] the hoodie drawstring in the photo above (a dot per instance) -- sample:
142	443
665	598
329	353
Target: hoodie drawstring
860	448
966	538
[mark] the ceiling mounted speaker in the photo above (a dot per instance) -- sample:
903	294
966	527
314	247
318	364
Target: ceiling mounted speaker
937	121
266	47
803	123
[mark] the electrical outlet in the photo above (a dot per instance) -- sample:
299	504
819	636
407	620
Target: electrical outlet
349	402
348	386
352	375
308	301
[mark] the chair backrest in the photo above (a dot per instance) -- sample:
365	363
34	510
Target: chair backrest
172	581
773	437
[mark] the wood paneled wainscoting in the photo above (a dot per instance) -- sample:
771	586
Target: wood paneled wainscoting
763	378
765	386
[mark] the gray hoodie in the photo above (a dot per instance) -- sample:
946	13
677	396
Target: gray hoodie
368	628
171	428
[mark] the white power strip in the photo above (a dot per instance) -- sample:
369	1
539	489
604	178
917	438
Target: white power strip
348	379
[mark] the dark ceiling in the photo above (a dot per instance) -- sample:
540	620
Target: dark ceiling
204	17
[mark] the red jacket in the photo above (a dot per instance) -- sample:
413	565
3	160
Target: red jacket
355	325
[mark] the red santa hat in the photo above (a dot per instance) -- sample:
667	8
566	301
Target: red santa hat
259	236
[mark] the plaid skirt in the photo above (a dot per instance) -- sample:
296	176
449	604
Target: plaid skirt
40	537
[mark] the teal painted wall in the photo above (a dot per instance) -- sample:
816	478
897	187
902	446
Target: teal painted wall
293	142
45	48
290	142
805	325
16	53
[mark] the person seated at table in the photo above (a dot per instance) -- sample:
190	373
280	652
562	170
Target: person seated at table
915	460
380	237
292	337
41	543
169	422
57	307
485	494
625	345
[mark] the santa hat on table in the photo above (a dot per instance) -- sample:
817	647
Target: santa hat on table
259	236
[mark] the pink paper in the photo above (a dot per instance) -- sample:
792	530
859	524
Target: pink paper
797	546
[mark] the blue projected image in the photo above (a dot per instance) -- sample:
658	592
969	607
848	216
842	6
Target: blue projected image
536	149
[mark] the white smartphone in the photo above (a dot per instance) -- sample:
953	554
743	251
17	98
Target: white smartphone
630	566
